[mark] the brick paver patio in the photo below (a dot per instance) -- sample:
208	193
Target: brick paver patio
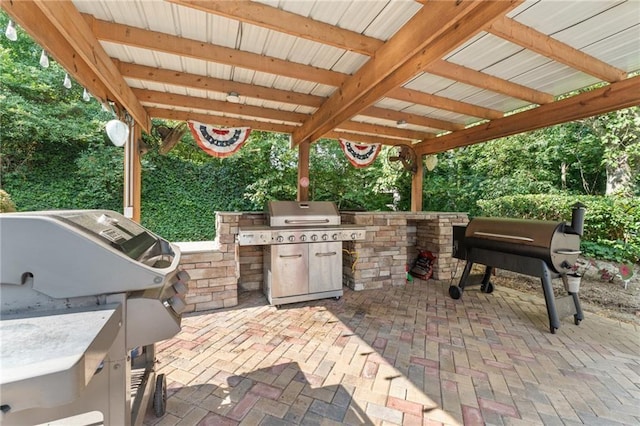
404	355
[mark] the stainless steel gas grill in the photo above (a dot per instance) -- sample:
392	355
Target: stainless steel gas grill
303	250
537	248
84	295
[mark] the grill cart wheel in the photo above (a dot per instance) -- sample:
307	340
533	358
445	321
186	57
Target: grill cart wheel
160	396
337	297
576	320
487	288
455	292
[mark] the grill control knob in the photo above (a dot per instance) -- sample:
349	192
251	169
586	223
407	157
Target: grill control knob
314	237
334	236
303	238
354	236
292	238
177	304
325	237
280	238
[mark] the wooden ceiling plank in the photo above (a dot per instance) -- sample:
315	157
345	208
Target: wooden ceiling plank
417	97
384	130
365	139
167	43
68	21
618	95
434	30
418	120
282	21
178	78
483	80
216	120
531	39
43	32
185	101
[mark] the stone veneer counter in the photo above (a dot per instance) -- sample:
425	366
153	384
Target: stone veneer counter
220	269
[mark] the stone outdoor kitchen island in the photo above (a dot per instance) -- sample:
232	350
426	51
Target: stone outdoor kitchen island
221	269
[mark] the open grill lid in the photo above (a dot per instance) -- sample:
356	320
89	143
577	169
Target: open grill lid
302	213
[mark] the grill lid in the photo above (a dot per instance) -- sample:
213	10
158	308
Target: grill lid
302	213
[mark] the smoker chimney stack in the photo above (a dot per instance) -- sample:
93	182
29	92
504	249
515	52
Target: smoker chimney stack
577	218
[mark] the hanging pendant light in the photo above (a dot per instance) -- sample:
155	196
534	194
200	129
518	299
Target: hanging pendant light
118	132
67	81
86	96
44	59
431	161
11	32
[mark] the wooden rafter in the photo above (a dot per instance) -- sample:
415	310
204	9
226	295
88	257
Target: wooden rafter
384	130
618	95
483	80
435	30
289	23
527	37
64	16
417	97
419	120
161	42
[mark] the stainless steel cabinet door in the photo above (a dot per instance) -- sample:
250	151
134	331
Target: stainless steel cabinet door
289	270
325	266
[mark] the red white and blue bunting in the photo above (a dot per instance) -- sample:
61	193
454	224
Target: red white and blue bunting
218	142
360	154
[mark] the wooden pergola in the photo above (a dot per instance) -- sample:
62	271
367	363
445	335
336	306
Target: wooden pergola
454	73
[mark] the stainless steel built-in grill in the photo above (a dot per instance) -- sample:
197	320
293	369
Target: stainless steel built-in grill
303	250
538	248
84	296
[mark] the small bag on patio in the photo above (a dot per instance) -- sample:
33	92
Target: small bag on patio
423	266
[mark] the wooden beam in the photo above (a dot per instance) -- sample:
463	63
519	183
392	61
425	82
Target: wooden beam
161	42
178	78
68	21
418	120
172	114
618	95
417	97
193	102
303	171
434	30
416	186
133	176
515	32
375	129
282	21
43	32
486	81
362	138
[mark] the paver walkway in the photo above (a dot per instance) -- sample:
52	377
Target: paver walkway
405	355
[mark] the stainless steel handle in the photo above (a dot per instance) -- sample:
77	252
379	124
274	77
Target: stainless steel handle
290	256
568	251
331	253
508	237
305	221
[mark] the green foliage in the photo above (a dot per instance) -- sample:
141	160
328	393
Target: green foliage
612	224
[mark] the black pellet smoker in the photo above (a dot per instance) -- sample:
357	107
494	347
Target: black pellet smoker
544	249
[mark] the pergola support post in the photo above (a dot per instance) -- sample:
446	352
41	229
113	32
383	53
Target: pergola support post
132	174
416	186
303	171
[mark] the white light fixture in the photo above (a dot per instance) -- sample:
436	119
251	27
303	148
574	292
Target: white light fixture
233	97
11	32
118	132
86	96
431	161
67	81
401	124
44	59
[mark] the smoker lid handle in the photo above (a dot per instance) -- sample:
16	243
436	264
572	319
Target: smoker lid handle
505	236
305	221
568	251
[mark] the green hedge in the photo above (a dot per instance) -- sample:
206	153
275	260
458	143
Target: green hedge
612	224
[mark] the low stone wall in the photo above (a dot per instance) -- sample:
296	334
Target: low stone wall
220	269
392	244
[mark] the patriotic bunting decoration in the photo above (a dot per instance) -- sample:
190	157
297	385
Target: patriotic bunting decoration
218	142
360	154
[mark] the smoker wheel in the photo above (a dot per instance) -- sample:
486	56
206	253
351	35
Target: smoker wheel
487	288
553	330
160	396
576	320
337	297
455	292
